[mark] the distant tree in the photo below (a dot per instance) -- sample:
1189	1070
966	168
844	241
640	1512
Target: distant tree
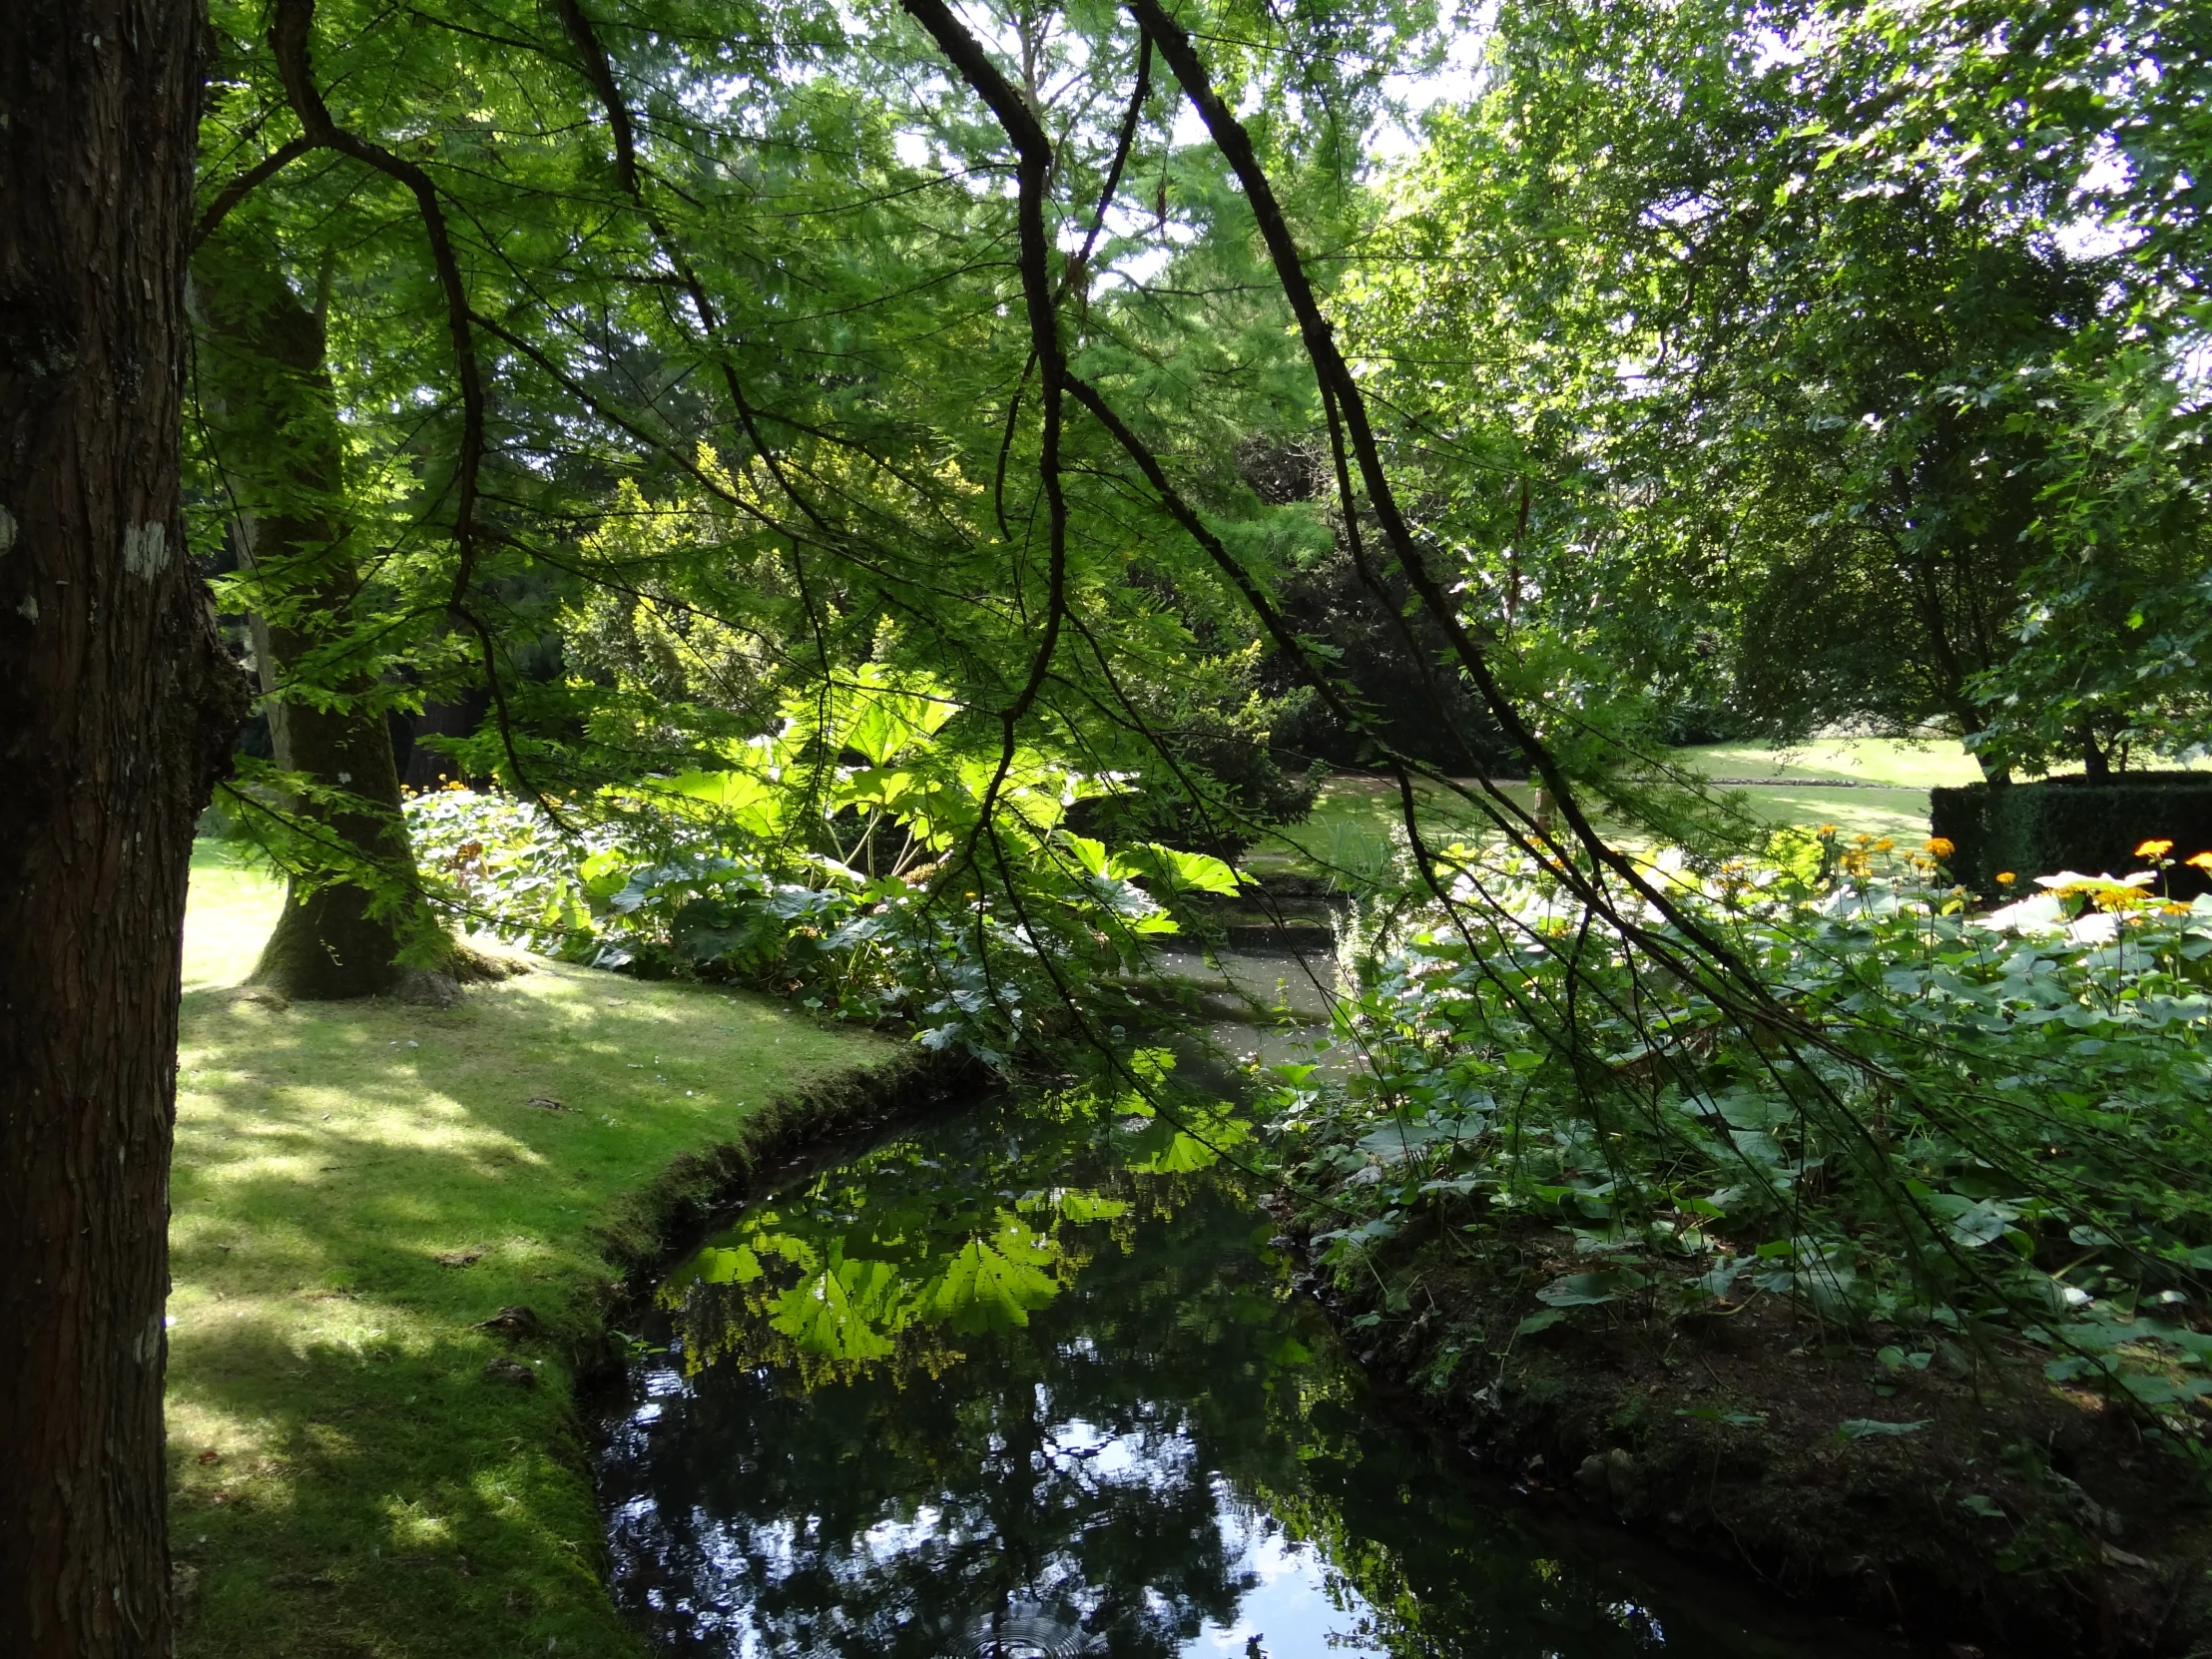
355	908
1775	387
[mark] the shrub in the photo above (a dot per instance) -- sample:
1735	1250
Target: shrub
2088	825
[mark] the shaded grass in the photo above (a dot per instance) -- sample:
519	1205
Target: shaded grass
356	1186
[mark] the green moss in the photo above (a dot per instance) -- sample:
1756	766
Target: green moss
356	1186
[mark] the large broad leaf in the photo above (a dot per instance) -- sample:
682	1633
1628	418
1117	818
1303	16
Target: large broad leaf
995	1283
877	712
842	1312
728	1266
1185	871
750	801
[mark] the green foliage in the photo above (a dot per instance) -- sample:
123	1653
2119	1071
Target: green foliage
847	859
1758	361
1997	1122
2076	822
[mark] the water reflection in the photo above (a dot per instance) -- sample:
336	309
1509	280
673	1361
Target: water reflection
1032	1383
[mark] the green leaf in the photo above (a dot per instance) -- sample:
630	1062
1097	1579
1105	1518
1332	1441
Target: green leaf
1587	1290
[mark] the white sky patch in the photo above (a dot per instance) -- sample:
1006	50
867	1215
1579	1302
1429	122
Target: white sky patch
1453	82
2088	234
913	148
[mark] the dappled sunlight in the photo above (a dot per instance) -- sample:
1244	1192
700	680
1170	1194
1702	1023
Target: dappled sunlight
226	920
357	1187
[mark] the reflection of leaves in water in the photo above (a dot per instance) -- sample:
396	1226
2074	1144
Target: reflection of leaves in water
727	1266
995	1283
1139	1399
843	1313
1192	1140
885	1262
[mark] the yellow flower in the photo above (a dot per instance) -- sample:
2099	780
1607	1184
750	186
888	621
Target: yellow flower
1825	831
2154	849
2199	860
1861	838
1940	847
2006	878
1884	845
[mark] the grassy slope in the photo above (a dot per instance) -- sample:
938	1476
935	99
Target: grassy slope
1899	810
344	1480
1889	779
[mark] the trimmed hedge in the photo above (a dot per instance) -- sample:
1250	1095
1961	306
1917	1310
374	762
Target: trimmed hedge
2074	824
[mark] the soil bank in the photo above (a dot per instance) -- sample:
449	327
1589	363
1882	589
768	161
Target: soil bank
1954	1497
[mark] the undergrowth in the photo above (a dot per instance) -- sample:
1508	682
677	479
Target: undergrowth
1959	1127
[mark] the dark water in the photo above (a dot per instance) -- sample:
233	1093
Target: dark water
1031	1381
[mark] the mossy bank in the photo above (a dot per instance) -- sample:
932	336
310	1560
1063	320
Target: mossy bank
360	1463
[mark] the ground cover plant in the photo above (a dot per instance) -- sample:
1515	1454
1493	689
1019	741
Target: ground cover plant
1981	1154
358	1188
2003	1130
853	859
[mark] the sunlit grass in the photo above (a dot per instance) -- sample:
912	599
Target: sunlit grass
1886	782
356	1186
1907	763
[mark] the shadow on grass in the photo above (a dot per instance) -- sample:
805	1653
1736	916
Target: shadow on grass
357	1187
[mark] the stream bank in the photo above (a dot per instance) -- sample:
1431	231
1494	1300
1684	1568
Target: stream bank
395	1236
1033	1378
1939	1495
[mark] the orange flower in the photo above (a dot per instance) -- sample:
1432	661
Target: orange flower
1884	845
1940	847
2006	878
1825	831
2154	849
2199	860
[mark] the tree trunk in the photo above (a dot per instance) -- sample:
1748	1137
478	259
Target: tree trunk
117	706
356	904
2095	761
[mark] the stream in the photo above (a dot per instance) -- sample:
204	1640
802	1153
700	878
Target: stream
1030	1380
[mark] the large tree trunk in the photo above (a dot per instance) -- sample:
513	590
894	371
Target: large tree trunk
117	703
357	905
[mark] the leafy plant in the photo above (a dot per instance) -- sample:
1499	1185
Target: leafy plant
1998	1123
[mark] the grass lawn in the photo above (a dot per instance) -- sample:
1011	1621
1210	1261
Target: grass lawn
1883	785
356	1184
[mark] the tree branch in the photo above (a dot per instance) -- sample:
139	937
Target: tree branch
240	188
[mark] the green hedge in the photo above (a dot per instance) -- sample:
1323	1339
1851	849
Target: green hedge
2074	824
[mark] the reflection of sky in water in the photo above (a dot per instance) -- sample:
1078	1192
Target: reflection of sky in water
1293	1603
1123	1431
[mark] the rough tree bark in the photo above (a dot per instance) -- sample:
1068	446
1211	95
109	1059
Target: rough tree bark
267	390
117	705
